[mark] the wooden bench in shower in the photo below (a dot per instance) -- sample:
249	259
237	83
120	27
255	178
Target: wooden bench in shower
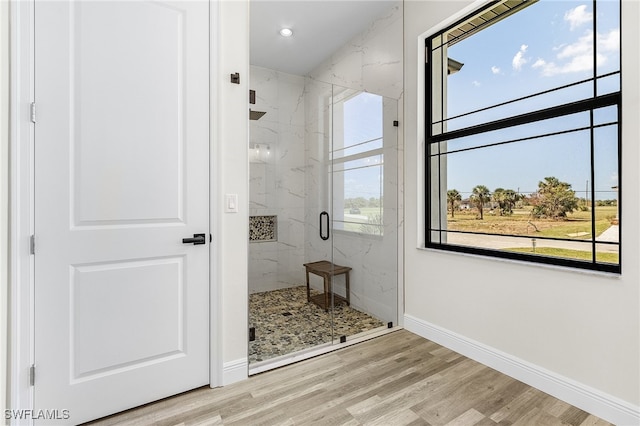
327	271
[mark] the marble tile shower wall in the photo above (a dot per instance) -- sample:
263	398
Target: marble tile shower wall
371	61
276	184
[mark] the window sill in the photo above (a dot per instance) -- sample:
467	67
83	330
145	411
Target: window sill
536	265
358	234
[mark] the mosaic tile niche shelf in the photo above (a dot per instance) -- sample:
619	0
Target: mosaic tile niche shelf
263	228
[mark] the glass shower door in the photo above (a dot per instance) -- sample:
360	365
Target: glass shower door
318	267
364	199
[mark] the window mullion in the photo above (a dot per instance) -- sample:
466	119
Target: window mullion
532	117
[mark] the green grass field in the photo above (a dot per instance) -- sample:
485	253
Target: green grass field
522	223
569	254
577	226
353	222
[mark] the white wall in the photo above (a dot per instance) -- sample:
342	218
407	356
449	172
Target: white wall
583	327
4	199
231	176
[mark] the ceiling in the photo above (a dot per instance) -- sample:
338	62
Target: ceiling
319	29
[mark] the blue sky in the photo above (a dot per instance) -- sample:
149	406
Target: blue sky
362	122
519	56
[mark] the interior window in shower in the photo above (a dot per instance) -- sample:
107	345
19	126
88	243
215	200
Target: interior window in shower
358	163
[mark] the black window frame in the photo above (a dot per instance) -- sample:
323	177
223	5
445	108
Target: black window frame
585	105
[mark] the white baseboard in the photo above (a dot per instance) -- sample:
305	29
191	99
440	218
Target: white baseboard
591	400
235	371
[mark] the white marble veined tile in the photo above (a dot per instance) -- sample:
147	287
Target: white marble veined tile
291	103
381	24
290	187
344	67
290	151
267	284
315	248
291	233
257	188
295	215
263	132
371	61
263	267
264	212
263	250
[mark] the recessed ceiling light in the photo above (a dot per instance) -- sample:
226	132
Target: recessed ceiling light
286	32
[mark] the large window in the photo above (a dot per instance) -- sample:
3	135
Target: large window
523	133
358	162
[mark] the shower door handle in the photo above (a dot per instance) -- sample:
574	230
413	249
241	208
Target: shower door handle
322	235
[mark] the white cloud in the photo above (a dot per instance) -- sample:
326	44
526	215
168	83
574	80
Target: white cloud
539	63
583	46
578	16
609	42
476	83
495	70
578	56
519	60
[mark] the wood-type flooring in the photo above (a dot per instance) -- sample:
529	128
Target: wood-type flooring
396	379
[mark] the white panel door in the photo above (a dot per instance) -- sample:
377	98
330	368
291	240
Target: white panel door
122	172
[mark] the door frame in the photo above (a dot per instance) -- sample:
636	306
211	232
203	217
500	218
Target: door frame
21	351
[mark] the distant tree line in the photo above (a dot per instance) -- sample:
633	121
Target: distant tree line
553	199
361	202
606	203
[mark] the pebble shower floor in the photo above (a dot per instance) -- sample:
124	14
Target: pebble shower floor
285	322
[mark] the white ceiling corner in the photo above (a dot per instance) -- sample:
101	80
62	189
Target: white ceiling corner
319	29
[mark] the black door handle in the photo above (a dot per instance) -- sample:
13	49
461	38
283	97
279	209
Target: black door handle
196	240
324	237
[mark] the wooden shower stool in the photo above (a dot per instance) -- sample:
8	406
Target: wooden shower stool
327	271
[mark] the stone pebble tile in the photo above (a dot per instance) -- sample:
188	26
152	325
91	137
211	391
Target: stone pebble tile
308	325
263	228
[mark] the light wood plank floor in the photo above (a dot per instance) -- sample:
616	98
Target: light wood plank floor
396	379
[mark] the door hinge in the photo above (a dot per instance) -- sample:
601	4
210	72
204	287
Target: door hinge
32	244
32	375
32	112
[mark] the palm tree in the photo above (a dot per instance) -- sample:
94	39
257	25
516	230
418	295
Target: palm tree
480	195
453	197
506	199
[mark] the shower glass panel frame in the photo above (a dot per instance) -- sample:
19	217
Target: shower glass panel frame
319	178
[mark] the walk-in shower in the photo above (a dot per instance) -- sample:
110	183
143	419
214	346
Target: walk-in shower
324	184
323	211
